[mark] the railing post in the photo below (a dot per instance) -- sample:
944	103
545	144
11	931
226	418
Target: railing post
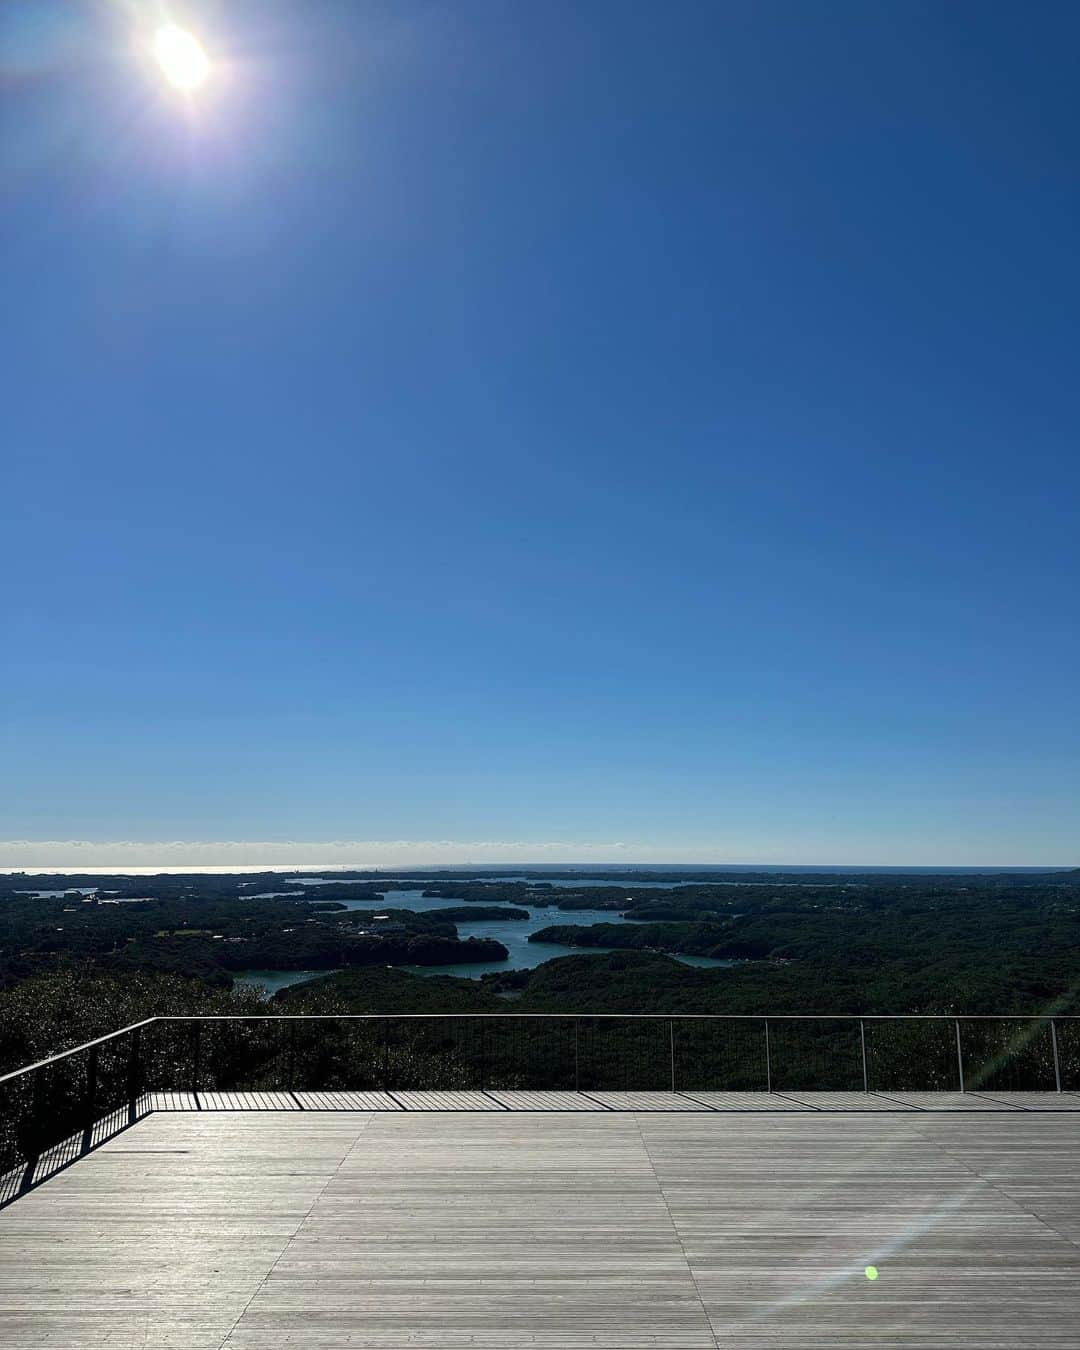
35	1150
768	1059
483	1043
91	1096
133	1077
1057	1061
671	1048
862	1043
196	1055
386	1054
577	1055
959	1053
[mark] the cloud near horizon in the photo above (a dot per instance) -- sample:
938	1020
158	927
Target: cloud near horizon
78	854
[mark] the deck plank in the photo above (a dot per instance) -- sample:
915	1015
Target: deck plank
446	1101
949	1101
645	1101
744	1101
347	1101
543	1100
849	1101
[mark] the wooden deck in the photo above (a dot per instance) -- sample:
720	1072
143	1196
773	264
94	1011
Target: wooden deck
556	1227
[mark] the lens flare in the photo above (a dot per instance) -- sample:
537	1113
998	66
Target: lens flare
870	1272
181	57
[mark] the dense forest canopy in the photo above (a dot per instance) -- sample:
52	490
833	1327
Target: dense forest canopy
96	951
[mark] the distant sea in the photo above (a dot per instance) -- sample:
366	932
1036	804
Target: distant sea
494	870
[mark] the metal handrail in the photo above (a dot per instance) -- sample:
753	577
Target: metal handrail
544	1016
624	1017
77	1049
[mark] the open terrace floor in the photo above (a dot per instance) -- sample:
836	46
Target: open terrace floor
557	1223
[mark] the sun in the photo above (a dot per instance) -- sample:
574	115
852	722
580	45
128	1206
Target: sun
181	57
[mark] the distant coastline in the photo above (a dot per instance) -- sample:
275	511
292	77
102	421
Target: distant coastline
490	869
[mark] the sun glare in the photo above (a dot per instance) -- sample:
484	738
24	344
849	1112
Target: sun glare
181	57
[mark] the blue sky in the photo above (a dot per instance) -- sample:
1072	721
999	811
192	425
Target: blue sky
549	429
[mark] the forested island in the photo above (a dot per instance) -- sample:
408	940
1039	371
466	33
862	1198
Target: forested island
209	936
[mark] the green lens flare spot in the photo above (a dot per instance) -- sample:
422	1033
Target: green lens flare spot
870	1272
